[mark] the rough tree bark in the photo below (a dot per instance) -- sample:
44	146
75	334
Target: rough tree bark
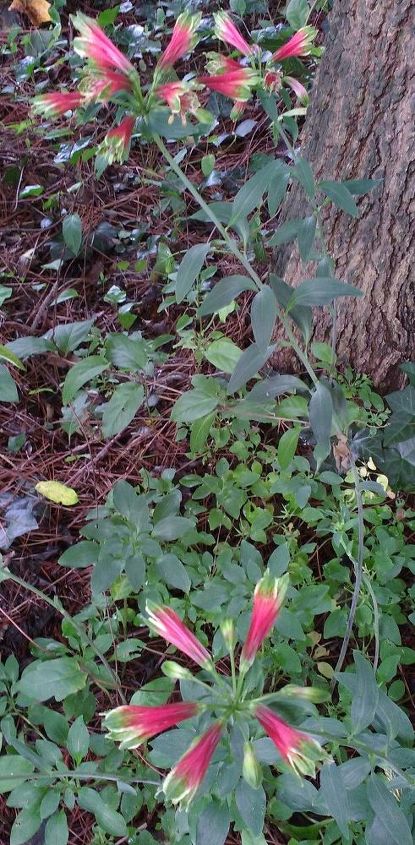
361	124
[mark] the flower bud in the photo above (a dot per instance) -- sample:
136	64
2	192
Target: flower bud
228	634
173	670
251	769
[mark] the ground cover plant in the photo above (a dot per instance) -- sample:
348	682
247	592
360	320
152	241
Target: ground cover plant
207	557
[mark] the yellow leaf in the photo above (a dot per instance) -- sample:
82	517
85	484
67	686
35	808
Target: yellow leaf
36	10
57	492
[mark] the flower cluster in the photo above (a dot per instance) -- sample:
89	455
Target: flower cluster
132	725
111	76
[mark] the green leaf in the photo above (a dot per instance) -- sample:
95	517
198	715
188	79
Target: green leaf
108	16
72	232
340	196
207	164
366	695
321	291
277	188
320	412
335	796
224	292
8	389
252	192
200	431
251	360
285	233
154	693
251	806
189	269
263	315
135	570
388	811
297	13
66	336
269	388
362	186
305	236
121	408
51	678
10	357
49	804
193	405
223	354
127	353
80	373
172	527
173	573
302	315
26	824
78	740
10	766
80	555
304	175
110	821
213	824
287	446
57	830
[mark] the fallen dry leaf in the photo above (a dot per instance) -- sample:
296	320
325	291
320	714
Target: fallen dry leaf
36	10
342	453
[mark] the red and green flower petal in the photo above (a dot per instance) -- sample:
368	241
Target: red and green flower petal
133	724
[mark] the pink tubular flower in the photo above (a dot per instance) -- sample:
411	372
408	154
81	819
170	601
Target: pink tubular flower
226	31
116	144
298	88
95	45
183	781
56	103
102	87
218	63
296	748
268	597
182	40
299	44
236	84
164	621
133	724
180	98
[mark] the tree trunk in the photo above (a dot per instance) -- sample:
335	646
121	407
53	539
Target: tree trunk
361	124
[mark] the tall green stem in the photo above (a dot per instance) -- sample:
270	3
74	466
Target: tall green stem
358	568
232	246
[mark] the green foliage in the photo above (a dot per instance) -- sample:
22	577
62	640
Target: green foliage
297	476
